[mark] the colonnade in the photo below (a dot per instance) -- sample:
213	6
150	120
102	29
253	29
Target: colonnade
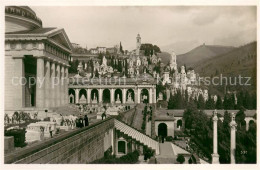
114	98
52	84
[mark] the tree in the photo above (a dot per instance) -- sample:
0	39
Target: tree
210	104
126	68
201	102
219	103
180	159
121	48
120	66
170	102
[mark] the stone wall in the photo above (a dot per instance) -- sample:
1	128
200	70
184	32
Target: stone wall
76	147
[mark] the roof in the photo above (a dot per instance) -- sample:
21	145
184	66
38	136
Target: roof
35	31
160	112
56	36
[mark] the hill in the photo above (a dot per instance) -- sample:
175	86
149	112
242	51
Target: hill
239	61
165	56
200	53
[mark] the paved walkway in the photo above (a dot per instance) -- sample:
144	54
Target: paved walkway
167	155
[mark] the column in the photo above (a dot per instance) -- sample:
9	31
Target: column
233	126
247	124
62	85
16	102
47	84
138	95
150	95
215	156
112	94
88	95
40	83
66	81
57	87
52	87
154	95
76	96
124	96
100	94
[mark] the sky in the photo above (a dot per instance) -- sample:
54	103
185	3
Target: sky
172	28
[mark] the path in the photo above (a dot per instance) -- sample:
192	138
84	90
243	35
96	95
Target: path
167	155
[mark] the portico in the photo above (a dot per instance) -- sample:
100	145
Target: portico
37	69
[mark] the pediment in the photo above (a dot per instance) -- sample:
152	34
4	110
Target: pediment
60	37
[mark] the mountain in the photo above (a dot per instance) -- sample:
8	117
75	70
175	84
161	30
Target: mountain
200	53
241	60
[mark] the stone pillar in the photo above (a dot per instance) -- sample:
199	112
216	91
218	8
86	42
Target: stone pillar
138	95
124	96
57	99
154	95
112	94
247	124
47	84
52	87
100	94
215	156
18	89
88	95
76	96
66	81
233	126
62	96
150	95
40	83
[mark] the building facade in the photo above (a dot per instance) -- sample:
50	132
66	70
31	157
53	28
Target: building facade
36	62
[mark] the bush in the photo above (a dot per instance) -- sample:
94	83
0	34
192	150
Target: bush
19	136
180	159
169	138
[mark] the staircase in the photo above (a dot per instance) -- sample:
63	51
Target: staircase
135	134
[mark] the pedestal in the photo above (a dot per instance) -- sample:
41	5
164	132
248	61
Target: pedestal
215	158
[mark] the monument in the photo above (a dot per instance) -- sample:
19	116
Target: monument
215	156
233	126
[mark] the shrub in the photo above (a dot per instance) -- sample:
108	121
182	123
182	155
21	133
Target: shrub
19	136
180	159
169	138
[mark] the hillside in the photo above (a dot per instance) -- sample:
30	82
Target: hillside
201	53
165	56
239	61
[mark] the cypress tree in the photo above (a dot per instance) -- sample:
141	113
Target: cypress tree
219	103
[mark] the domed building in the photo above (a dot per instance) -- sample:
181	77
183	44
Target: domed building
35	56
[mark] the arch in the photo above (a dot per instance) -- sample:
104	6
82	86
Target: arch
145	96
179	123
121	147
94	95
162	130
132	94
82	96
106	96
118	92
251	122
71	96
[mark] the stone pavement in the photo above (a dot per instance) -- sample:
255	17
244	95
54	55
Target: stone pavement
167	154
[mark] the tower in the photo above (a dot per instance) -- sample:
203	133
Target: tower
173	62
138	44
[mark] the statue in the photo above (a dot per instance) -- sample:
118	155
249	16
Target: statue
118	99
94	99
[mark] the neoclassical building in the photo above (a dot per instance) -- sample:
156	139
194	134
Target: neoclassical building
36	62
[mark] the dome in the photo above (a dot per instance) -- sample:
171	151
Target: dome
21	18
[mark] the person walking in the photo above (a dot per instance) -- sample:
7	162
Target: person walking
50	130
